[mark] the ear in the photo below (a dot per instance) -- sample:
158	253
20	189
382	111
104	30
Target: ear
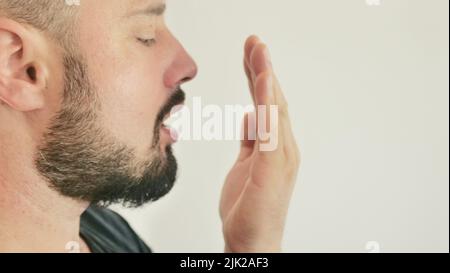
23	74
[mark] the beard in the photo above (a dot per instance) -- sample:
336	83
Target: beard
80	159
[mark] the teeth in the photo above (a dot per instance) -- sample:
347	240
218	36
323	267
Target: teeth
169	124
171	120
168	121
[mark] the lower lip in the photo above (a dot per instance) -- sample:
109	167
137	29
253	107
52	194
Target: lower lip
168	134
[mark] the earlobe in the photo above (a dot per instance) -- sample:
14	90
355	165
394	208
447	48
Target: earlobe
23	76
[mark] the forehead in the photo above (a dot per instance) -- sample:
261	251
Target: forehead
103	24
118	9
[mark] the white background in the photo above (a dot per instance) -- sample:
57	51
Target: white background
368	92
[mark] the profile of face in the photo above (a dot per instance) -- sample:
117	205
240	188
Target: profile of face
107	143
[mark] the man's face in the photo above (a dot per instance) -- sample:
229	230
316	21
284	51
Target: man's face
107	143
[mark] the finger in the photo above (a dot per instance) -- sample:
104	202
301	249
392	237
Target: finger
260	60
276	125
249	45
248	136
280	98
248	48
266	114
250	81
291	150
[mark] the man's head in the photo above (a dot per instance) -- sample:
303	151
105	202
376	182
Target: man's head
88	87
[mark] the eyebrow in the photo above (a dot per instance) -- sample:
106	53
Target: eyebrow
152	10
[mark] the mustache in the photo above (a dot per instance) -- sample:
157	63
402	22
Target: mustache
178	97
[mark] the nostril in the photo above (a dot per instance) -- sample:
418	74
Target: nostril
190	75
31	72
186	79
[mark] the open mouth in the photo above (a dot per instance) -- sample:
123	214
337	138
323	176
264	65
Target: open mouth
162	126
177	98
169	118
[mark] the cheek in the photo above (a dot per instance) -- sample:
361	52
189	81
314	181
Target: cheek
131	101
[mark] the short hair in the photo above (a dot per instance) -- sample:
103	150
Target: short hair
54	17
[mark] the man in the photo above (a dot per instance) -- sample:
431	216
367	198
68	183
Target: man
84	93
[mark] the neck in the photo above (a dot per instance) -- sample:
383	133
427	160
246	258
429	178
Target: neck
33	217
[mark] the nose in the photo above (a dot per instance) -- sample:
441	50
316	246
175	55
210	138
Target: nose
182	69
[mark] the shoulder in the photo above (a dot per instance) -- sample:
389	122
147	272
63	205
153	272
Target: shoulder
106	231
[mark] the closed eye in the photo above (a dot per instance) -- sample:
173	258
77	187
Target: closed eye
146	42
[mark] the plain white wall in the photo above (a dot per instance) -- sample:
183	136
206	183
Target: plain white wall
368	91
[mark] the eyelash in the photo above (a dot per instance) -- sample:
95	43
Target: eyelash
147	42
